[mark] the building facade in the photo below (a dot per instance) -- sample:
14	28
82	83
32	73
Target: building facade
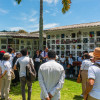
19	41
73	39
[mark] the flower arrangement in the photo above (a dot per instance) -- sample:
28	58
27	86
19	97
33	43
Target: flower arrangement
79	47
53	36
78	40
58	47
91	34
74	41
91	46
63	41
57	36
73	47
57	41
62	47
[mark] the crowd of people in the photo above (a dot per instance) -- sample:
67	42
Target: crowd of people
50	72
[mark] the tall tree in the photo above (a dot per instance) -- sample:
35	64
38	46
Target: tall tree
66	7
41	26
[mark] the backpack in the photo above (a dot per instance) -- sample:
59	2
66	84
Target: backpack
30	71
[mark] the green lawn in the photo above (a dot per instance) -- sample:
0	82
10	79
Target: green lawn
71	91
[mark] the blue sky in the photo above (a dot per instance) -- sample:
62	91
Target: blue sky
26	15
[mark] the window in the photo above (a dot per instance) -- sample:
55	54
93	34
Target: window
3	47
3	41
98	33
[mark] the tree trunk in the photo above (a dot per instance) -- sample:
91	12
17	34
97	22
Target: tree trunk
41	26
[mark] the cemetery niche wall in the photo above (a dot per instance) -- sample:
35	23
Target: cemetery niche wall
73	39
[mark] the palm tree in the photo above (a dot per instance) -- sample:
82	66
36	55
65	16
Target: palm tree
66	7
41	26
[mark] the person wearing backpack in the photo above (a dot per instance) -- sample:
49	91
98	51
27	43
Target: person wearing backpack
92	91
23	62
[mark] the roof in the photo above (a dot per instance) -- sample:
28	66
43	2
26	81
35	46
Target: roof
20	35
83	25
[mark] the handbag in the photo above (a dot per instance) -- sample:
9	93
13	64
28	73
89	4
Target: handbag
12	74
79	79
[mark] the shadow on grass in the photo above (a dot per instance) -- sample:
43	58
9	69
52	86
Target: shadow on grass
74	80
77	97
15	90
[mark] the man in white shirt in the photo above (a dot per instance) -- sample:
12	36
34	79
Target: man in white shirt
23	61
93	88
51	78
44	55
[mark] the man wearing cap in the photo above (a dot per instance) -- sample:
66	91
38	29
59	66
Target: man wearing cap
93	87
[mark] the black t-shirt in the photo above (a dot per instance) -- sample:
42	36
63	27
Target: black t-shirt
37	58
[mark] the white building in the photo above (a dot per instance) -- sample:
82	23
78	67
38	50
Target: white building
19	41
73	39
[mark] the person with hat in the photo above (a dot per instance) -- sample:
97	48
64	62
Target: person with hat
6	76
92	91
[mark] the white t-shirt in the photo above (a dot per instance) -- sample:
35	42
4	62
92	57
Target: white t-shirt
62	60
86	64
11	59
94	73
6	66
23	61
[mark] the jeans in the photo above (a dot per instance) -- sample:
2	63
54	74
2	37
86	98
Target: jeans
23	82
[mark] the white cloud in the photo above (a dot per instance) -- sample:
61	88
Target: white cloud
33	19
51	1
50	25
33	13
15	28
14	3
3	11
46	11
35	27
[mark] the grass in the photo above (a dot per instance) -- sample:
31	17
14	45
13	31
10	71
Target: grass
71	91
